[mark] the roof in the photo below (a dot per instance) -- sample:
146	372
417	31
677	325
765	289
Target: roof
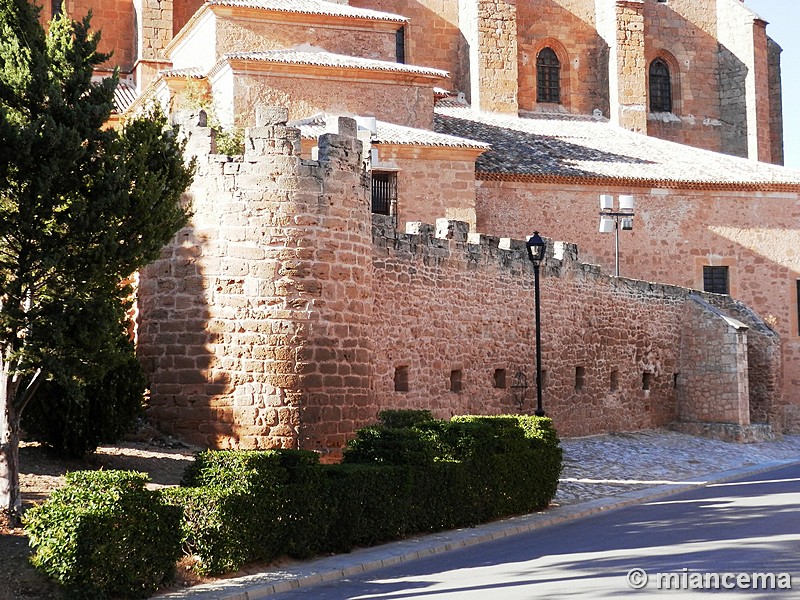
188	73
328	59
389	133
312	7
579	149
124	96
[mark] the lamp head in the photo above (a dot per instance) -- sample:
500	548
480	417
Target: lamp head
536	247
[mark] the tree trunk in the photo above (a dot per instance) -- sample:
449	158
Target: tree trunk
10	499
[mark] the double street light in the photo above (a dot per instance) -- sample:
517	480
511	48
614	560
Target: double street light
611	219
536	249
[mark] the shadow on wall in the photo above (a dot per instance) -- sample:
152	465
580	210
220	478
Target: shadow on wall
189	395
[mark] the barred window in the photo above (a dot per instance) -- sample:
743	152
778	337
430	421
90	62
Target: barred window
548	75
384	192
715	280
55	7
660	87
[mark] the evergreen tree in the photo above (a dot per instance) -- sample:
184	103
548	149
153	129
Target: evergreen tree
81	208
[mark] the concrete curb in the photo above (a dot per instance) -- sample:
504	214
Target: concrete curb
306	574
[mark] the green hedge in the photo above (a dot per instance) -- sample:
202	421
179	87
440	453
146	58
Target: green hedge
408	474
105	535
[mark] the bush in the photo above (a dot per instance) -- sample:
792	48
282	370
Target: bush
241	506
104	534
403	419
73	417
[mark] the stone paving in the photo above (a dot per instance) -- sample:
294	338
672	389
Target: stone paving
607	465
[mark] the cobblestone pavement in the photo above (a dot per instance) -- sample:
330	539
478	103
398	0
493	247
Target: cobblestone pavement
606	465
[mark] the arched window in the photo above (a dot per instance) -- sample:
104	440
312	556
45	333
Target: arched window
660	87
548	75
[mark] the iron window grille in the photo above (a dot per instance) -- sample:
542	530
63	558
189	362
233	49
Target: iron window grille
660	87
715	280
384	192
548	76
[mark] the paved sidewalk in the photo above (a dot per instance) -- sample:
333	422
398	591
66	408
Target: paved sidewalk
600	473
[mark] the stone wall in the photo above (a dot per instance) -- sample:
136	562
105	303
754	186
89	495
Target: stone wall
309	93
286	315
252	323
666	244
350	39
115	19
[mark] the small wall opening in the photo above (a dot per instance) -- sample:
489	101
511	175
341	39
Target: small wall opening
580	378
614	380
500	379
456	380
401	379
647	380
675	378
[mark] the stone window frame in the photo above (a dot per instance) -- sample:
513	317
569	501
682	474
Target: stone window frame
713	275
716	261
548	76
533	50
391	175
673	67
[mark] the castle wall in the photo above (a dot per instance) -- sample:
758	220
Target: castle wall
676	232
286	315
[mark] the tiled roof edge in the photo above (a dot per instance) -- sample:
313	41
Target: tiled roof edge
732	186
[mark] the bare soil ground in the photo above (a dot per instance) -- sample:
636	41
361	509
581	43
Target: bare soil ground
161	457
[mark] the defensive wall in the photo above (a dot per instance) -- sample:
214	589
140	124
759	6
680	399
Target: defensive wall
286	315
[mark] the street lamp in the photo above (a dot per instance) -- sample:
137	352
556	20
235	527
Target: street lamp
610	219
536	248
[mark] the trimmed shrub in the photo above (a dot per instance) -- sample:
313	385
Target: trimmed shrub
403	419
105	535
241	506
391	446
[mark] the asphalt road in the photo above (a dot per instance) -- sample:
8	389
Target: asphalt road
696	542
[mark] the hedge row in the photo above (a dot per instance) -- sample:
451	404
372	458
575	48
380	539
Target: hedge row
409	474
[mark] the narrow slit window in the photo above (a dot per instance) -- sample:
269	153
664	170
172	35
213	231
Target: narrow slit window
614	380
456	383
675	379
580	376
548	76
647	381
401	379
500	379
798	307
660	87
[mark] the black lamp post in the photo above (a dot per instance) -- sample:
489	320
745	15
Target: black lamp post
536	248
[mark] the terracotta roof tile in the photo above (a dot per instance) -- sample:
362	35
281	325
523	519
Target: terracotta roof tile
389	133
328	59
585	148
124	96
312	7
